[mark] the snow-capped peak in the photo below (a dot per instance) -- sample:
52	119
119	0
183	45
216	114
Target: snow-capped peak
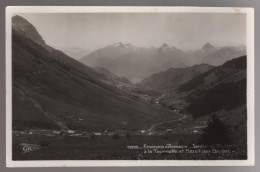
119	44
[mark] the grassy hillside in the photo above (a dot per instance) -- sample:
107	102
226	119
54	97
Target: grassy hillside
223	96
52	90
173	77
223	87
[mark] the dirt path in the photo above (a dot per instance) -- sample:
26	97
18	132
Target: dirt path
47	114
179	119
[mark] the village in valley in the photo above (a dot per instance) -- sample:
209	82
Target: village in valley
181	126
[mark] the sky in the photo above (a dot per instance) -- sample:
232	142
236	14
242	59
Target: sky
187	31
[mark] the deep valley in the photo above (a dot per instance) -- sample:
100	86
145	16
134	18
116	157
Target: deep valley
118	96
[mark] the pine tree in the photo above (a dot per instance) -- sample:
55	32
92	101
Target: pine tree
216	132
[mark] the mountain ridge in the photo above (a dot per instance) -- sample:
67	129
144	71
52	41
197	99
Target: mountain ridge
137	63
52	90
223	87
173	77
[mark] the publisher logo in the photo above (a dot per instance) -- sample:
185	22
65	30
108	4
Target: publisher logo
29	147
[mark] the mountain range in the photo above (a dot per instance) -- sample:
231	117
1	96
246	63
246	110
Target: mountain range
133	62
137	63
52	90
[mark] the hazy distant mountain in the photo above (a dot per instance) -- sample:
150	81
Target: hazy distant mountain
173	77
133	62
110	52
136	63
215	55
52	90
76	53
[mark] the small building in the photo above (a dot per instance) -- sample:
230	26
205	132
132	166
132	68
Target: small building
56	132
143	131
67	131
169	130
195	131
97	134
71	131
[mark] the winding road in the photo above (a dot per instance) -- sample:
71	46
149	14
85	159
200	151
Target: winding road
179	119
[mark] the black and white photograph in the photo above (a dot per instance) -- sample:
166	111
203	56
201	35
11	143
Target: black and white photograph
112	86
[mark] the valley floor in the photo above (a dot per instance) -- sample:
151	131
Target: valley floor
176	146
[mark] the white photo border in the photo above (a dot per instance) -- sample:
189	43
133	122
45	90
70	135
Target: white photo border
130	9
